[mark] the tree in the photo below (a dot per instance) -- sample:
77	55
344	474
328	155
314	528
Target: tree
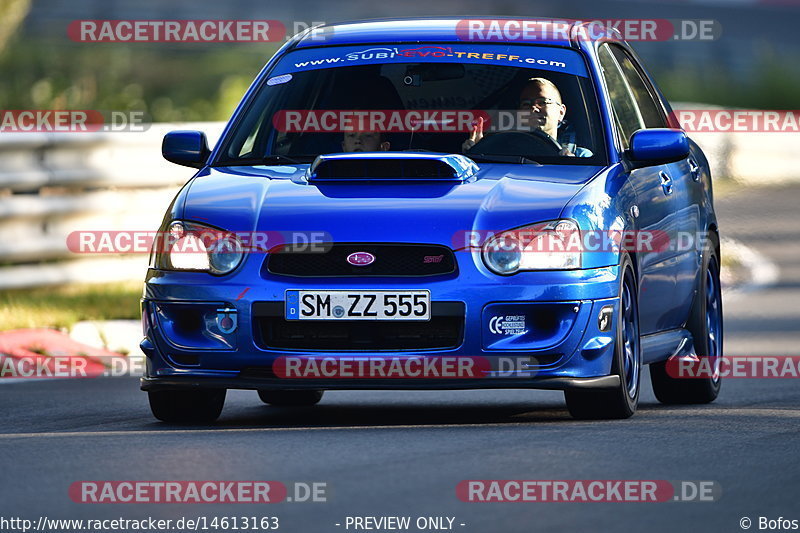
12	13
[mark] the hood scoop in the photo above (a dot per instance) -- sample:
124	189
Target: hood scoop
391	167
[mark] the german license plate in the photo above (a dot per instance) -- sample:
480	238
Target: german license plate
358	305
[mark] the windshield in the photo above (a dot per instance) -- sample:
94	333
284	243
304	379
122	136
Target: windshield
514	104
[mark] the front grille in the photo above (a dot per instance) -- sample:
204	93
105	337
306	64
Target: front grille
391	260
444	330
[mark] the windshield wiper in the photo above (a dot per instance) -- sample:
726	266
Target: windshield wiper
497	158
270	159
275	158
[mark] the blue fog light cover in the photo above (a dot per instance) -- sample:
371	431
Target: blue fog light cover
196	326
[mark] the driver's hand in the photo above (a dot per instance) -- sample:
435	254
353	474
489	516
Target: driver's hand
475	136
566	151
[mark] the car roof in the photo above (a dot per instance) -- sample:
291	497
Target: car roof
423	30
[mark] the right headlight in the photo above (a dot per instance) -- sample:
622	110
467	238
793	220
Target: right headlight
551	245
193	246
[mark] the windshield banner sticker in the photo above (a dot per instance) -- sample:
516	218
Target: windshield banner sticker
545	58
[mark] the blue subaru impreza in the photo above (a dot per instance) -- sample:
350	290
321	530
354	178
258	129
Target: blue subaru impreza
400	205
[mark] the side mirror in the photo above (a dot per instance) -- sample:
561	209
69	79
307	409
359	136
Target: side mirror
657	146
187	148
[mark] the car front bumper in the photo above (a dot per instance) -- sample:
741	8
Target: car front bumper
556	339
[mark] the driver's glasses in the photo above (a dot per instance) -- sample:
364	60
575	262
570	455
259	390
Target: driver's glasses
538	103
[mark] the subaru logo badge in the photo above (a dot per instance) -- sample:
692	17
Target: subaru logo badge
360	259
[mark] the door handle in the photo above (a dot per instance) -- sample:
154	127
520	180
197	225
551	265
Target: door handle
666	182
694	168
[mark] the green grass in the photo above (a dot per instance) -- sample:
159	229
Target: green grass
61	307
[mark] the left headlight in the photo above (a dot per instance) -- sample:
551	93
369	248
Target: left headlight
197	247
551	245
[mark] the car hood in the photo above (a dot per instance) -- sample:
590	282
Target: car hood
276	199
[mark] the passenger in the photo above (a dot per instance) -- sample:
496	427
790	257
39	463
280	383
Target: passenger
365	141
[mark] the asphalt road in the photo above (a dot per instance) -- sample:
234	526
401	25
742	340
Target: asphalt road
402	453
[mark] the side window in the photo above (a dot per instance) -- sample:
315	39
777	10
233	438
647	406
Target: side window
628	117
648	107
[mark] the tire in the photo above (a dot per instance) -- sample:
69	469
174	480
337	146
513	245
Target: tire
187	406
705	325
288	398
621	402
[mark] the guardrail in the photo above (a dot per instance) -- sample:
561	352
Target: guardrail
54	184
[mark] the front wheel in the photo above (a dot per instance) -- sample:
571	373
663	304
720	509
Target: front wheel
705	325
187	406
291	397
620	402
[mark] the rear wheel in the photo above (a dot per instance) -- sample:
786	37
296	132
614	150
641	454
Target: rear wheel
290	397
187	406
705	325
620	402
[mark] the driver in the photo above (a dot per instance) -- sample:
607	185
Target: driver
542	99
365	141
